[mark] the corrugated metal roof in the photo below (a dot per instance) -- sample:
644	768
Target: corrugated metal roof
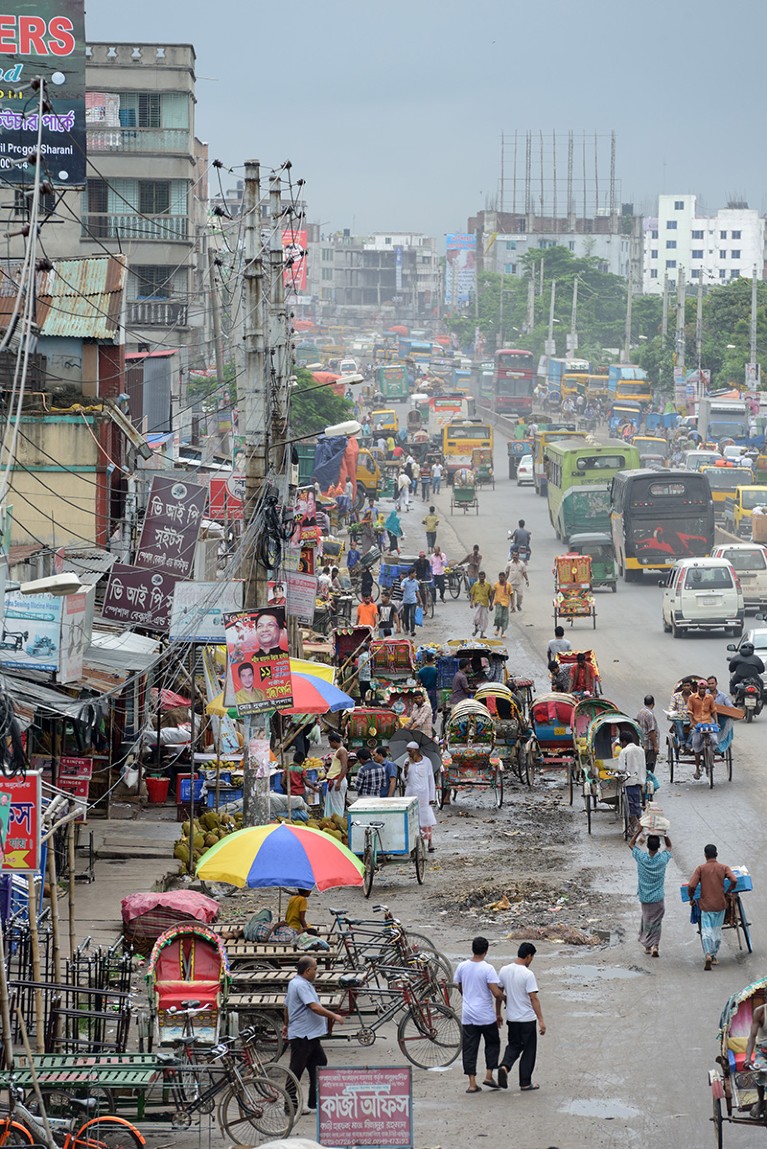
77	299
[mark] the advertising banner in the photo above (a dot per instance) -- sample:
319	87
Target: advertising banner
43	38
171	526
302	596
139	597
307	530
294	253
258	671
371	1107
224	506
31	634
22	845
199	609
461	269
74	637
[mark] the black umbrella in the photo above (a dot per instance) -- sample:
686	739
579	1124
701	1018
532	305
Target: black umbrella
428	747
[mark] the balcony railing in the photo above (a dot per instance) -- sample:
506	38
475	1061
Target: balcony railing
157	313
131	226
158	140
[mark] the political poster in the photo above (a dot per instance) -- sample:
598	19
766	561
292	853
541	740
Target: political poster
371	1107
302	596
306	531
294	254
258	663
171	526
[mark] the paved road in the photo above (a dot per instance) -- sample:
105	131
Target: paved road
630	1040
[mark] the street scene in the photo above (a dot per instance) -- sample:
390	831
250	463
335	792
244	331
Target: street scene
383	562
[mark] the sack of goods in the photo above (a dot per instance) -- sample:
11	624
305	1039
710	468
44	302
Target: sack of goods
654	820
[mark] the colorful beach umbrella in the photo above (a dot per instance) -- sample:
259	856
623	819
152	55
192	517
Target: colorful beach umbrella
312	695
280	855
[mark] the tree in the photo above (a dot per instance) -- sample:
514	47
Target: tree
315	406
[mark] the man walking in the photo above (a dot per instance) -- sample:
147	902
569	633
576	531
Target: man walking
716	882
411	597
307	1023
523	1010
481	596
516	577
648	724
651	875
431	522
557	644
403	491
436	477
438	564
631	762
482	996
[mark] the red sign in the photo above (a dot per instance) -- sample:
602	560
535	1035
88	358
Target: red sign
78	788
258	671
223	506
22	846
171	526
294	253
372	1107
76	767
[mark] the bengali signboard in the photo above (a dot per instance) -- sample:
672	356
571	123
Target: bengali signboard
139	597
258	663
171	526
199	609
294	254
370	1107
46	39
302	596
22	845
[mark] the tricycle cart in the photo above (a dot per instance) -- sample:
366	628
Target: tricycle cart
468	758
584	676
600	548
733	1087
735	913
383	830
584	713
368	726
551	746
392	661
512	732
517	449
464	491
572	589
603	780
487	663
482	466
679	739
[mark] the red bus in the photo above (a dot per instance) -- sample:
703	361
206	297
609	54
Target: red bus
513	382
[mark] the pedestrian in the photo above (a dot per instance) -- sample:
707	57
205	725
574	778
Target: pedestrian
502	601
480	989
557	644
516	575
403	491
419	783
427	676
431	522
306	1022
716	882
648	724
415	476
367	612
439	561
523	1010
461	689
651	876
394	530
481	596
335	794
382	756
388	616
371	775
631	762
364	674
425	481
473	562
411	598
436	477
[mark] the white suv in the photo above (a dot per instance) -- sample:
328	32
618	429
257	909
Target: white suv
702	594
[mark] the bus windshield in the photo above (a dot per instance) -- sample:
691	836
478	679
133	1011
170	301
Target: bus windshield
479	431
518	362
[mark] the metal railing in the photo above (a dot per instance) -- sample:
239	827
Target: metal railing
131	226
157	313
175	140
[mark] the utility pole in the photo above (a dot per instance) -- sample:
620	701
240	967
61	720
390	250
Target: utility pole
664	312
753	373
680	309
699	327
530	320
572	342
626	357
499	342
551	346
215	315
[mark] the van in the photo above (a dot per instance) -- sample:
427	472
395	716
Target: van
697	460
702	594
750	564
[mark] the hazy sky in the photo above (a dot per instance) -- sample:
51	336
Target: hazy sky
393	111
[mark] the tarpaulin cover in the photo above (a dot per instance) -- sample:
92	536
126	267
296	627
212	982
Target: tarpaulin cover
328	460
349	467
194	905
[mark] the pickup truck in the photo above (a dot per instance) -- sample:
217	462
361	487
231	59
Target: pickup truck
738	508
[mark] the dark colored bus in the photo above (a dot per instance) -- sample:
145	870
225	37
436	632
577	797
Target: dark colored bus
514	381
657	517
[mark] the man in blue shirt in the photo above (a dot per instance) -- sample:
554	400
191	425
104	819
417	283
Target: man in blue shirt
307	1023
651	872
381	755
410	599
352	558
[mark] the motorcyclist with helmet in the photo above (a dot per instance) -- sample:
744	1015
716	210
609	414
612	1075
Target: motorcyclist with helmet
744	665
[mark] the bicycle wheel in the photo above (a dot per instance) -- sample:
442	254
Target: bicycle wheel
255	1106
375	593
284	1079
14	1133
498	789
420	861
370	868
429	1035
744	924
708	762
107	1133
267	1037
454	585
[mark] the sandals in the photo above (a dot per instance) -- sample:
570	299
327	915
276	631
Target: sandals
528	1088
474	1089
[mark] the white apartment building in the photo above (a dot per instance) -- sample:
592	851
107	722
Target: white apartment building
716	248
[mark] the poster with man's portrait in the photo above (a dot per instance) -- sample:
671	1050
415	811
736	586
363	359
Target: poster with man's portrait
258	671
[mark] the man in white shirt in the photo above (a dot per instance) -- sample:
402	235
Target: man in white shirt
516	576
403	490
523	1009
632	763
557	645
481	1015
436	478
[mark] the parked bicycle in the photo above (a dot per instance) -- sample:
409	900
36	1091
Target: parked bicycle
457	580
79	1129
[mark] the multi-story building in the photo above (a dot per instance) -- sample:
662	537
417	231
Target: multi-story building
714	249
384	275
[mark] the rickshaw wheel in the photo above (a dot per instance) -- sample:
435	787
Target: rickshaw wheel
587	804
419	860
498	789
743	923
570	782
671	755
728	760
717	1119
613	587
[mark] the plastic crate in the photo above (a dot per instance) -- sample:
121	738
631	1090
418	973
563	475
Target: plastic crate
744	884
447	668
226	794
184	788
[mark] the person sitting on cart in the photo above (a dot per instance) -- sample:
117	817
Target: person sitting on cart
756	1056
422	567
702	712
560	677
632	763
461	688
680	715
582	676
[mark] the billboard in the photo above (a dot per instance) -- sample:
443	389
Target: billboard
22	844
31	633
43	38
258	663
461	269
294	252
171	526
199	609
371	1106
139	597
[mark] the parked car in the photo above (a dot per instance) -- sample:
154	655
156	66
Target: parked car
525	471
702	594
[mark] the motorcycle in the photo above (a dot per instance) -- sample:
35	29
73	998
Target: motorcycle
748	695
524	552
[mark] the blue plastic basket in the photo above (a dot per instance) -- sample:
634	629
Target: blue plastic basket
184	790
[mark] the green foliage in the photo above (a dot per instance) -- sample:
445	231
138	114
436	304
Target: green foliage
315	406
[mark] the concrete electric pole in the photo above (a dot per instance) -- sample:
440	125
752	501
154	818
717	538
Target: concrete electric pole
680	309
629	308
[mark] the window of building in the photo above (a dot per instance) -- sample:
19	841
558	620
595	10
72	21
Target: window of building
723	235
98	195
154	197
670	263
736	235
653	235
654	253
510	269
670	225
387	240
571	244
696	234
511	245
695	273
327	255
149	109
734	275
735	253
722	273
327	273
153	281
697	253
654	273
670	243
678	205
722	254
22	202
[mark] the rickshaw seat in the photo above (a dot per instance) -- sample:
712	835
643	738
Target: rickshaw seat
177	992
737	1039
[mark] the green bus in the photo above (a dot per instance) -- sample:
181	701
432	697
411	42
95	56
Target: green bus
579	477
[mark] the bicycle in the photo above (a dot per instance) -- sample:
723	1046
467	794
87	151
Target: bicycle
457	580
373	856
20	1126
428	593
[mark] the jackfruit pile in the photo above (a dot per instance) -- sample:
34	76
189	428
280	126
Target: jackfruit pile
211	827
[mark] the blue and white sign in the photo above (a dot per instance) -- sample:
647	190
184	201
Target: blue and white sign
199	609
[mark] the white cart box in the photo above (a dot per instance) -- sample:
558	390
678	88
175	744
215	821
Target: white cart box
400	823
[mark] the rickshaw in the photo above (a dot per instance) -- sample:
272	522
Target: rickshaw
482	466
592	683
368	726
468	758
552	746
603	781
348	644
733	1087
464	491
188	962
392	661
512	732
572	589
487	663
599	547
678	753
517	449
584	713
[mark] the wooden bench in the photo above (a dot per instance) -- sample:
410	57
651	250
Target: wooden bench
130	1072
275	1001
